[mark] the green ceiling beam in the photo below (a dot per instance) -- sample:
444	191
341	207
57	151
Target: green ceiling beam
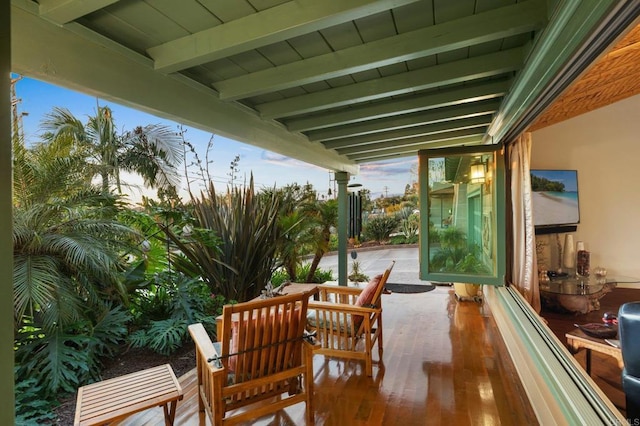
412	151
421	79
63	11
409	132
106	70
487	26
416	103
412	142
269	26
404	121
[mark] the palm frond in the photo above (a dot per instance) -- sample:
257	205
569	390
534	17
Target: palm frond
35	283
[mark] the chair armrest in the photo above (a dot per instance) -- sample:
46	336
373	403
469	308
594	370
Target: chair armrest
339	289
342	307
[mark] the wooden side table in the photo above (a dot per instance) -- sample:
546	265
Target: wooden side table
115	399
578	340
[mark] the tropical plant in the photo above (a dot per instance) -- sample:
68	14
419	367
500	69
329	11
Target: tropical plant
455	255
281	276
379	228
233	242
61	359
67	269
410	223
31	407
294	223
325	217
153	152
356	275
66	249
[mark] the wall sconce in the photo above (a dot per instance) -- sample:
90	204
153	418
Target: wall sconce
477	173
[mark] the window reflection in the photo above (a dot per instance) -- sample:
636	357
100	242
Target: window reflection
461	218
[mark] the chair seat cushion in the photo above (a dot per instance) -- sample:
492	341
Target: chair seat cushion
341	324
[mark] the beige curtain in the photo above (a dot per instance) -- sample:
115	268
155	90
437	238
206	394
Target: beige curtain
525	269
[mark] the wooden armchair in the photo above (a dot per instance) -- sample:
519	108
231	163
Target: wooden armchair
348	320
262	354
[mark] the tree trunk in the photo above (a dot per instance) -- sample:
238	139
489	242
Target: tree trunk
314	265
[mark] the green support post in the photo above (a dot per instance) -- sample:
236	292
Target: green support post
342	178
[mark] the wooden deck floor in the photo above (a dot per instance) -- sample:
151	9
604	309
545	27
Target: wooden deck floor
444	364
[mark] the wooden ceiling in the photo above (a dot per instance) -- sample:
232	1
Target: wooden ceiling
613	77
335	83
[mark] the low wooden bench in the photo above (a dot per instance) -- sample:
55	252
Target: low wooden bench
115	399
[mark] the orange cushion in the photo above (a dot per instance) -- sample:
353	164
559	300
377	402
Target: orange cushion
248	357
366	295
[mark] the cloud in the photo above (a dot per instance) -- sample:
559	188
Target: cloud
387	168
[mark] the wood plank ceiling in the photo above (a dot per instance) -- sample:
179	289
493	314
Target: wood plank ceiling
613	77
333	83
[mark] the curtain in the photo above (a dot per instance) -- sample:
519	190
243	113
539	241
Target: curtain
524	261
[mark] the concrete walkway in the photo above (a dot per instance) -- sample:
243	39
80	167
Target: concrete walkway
374	261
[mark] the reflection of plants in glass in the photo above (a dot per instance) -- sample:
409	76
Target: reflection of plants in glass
434	234
454	255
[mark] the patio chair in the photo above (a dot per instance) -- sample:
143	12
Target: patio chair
348	320
262	361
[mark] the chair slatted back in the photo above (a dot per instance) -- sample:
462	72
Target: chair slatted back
260	339
260	355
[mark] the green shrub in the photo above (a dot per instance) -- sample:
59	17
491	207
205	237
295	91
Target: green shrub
333	242
61	360
31	407
280	276
233	246
401	239
163	337
380	227
165	309
355	275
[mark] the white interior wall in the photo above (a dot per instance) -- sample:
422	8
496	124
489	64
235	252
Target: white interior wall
604	146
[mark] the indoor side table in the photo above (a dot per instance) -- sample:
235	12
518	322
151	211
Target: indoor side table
578	340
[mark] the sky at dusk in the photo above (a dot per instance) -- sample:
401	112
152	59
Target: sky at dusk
269	169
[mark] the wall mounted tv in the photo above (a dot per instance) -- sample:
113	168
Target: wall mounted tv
556	207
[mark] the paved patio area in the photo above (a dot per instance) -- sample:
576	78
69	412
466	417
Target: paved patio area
374	260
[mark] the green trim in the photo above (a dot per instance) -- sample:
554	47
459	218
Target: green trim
342	178
499	226
555	383
6	240
572	23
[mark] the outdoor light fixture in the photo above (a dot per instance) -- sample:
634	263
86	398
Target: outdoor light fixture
477	173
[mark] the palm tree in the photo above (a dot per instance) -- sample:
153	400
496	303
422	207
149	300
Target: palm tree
66	241
154	152
293	223
68	295
325	216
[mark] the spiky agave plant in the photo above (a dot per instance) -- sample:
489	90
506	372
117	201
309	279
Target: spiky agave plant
233	243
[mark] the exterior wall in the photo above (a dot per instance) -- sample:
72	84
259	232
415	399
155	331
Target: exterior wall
604	146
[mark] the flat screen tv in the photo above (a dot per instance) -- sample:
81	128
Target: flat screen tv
555	198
